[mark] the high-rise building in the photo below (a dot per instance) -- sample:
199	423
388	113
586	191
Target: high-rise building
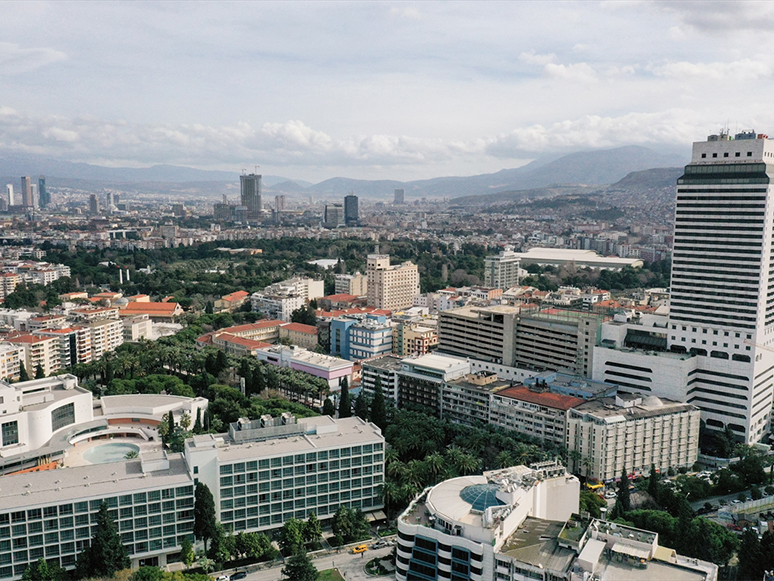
279	203
33	195
26	192
45	196
251	194
334	215
351	213
111	199
93	204
502	270
400	197
391	287
9	192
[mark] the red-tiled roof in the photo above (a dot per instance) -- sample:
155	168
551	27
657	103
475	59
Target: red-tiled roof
341	297
155	307
235	296
548	399
301	328
29	339
249	343
252	326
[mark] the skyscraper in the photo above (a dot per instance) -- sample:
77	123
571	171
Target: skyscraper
251	194
400	197
279	203
9	191
723	280
351	214
44	197
93	204
391	286
26	192
334	215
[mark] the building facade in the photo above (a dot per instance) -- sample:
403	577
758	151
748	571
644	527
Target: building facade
483	333
351	211
351	284
502	270
250	195
391	287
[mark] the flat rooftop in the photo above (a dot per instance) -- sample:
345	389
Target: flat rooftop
535	543
387	363
651	406
612	570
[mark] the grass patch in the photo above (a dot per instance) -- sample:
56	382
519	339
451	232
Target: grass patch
330	575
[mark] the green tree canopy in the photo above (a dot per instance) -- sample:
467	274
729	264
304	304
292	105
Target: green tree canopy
106	554
205	519
300	568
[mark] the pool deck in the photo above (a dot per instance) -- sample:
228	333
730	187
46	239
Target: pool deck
74	455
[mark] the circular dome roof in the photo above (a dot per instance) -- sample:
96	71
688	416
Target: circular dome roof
481	496
121	301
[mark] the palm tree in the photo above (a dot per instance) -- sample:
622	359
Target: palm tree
504	459
434	463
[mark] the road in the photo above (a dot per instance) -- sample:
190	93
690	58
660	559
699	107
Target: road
352	567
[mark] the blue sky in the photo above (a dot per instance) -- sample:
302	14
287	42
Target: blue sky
397	90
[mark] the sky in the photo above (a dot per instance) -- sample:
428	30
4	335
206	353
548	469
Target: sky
376	90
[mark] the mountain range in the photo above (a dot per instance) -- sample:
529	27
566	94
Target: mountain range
588	168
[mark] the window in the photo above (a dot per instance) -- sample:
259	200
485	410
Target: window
62	416
10	433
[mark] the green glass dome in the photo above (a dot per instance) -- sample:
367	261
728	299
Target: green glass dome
481	496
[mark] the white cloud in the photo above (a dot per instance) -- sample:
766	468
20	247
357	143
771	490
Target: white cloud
14	59
576	72
532	58
745	69
405	12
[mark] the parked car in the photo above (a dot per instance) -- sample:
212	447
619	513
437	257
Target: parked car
610	494
359	549
238	575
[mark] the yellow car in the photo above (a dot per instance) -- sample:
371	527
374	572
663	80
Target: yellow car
359	549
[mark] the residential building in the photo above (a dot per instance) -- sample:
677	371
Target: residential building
464	527
279	203
231	302
137	327
73	345
351	284
565	384
276	306
502	271
8	283
38	351
10	357
106	335
483	333
9	193
391	287
357	337
630	432
399	196
250	195
413	339
28	201
299	334
386	370
466	400
339	302
421	381
237	346
351	213
533	411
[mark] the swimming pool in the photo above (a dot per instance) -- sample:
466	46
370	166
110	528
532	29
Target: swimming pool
105	453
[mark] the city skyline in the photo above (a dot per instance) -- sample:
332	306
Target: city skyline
401	91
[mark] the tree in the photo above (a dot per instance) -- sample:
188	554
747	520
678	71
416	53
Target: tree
300	568
304	315
361	405
209	308
107	553
345	408
312	529
42	570
591	502
23	375
328	408
39	373
750	556
378	406
205	519
623	503
187	554
197	427
291	539
653	481
147	574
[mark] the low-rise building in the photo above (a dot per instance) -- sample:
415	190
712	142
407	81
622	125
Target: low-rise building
138	327
331	369
299	334
351	284
232	301
158	312
631	432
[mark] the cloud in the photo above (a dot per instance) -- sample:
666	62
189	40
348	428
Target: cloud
14	59
745	69
724	17
532	58
577	72
405	12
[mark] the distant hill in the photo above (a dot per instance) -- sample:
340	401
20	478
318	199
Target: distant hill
516	196
662	177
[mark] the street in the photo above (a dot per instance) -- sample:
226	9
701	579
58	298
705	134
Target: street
351	567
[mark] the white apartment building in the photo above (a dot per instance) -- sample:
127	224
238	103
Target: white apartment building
351	284
391	287
106	335
10	357
137	327
502	270
38	350
606	436
276	306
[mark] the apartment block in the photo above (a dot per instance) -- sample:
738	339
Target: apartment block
10	357
483	333
421	381
391	287
502	270
137	327
386	369
8	283
413	339
351	284
630	432
38	350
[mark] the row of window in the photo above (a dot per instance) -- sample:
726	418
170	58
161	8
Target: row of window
241	467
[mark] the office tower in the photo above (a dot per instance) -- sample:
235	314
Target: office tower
26	192
33	195
391	287
502	270
334	215
251	194
9	191
723	278
399	196
45	197
351	215
3	205
279	203
93	204
110	199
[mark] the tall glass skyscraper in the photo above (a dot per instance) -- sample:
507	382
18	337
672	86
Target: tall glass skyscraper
43	196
